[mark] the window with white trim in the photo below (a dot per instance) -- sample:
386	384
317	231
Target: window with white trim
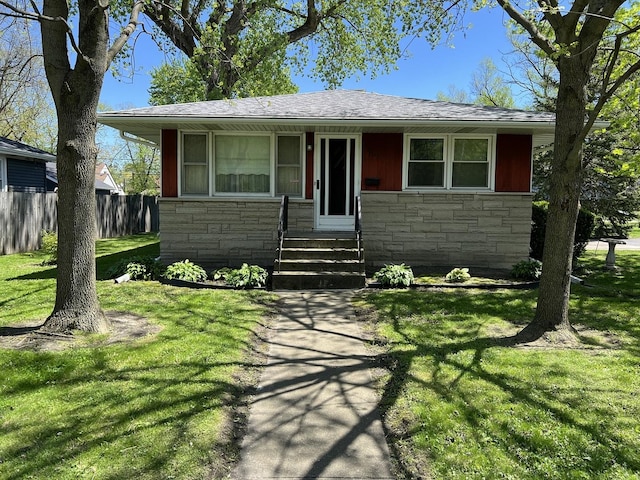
241	164
470	163
289	165
448	162
195	164
426	164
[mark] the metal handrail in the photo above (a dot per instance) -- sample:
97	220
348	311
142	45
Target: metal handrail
283	225
358	226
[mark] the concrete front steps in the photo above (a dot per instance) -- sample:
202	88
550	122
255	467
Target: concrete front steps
314	263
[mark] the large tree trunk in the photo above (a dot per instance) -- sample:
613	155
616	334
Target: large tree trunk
76	92
76	304
552	311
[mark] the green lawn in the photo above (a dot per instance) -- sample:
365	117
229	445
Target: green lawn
154	409
459	405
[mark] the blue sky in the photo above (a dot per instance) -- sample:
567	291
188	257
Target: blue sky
427	71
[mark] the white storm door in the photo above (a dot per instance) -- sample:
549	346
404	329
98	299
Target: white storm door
337	181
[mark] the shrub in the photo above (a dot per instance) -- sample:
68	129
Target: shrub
395	276
527	269
538	229
185	270
49	247
605	228
221	273
458	275
247	276
584	228
138	268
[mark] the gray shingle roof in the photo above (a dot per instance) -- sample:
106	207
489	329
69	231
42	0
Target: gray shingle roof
19	149
333	105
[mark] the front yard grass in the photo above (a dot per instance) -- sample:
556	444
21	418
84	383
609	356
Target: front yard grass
635	227
458	405
156	408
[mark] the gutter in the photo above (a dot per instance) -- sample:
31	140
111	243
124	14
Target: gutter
135	139
28	155
395	122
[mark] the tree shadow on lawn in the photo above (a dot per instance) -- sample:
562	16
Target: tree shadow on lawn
17	331
108	246
609	314
143	416
134	405
103	263
447	370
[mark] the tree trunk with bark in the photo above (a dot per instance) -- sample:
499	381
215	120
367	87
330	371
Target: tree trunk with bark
77	305
76	92
552	313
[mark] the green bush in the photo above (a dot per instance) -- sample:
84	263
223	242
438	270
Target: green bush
49	246
247	276
584	228
604	228
185	270
538	229
138	268
458	275
395	276
221	273
527	269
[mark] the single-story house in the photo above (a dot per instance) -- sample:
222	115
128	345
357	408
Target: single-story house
104	182
22	167
440	184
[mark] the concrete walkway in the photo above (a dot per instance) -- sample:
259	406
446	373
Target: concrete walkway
315	413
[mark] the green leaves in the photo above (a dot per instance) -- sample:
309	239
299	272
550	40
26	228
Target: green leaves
177	81
457	275
247	276
257	51
395	276
187	271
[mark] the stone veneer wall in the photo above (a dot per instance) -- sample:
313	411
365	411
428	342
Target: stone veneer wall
225	231
448	230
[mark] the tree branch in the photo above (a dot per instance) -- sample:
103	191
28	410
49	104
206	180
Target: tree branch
609	92
310	25
183	38
573	16
39	17
536	36
126	32
551	12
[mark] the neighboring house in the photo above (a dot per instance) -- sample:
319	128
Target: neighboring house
22	167
105	184
104	175
441	184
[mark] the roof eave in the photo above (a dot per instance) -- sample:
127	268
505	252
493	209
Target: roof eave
112	120
28	155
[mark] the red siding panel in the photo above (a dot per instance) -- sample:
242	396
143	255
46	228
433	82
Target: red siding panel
309	140
382	161
169	163
513	163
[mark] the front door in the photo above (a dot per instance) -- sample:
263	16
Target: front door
337	181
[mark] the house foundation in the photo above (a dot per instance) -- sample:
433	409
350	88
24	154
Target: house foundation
488	230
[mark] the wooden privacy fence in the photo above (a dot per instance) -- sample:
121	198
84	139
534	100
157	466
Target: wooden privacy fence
23	216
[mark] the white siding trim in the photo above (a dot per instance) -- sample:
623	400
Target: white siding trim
3	174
